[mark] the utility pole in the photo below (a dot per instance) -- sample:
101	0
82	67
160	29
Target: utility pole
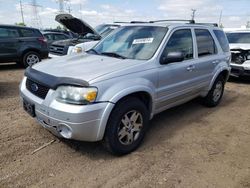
36	21
193	14
21	9
80	10
61	6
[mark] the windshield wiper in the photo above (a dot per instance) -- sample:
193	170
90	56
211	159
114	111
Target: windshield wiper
93	50
113	54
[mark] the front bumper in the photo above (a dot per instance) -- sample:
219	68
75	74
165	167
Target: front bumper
240	70
78	122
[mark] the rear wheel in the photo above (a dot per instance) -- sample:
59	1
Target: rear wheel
126	126
30	58
214	96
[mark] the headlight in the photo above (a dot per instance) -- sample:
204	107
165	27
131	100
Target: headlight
76	95
77	49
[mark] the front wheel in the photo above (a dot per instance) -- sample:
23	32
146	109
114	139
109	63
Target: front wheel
126	126
214	96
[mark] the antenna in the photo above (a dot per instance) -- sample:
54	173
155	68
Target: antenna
36	21
220	18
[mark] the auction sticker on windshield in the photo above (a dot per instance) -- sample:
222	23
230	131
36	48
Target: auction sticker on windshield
143	41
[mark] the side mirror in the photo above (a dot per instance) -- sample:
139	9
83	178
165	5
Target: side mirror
172	57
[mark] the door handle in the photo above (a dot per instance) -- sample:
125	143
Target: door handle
216	62
190	68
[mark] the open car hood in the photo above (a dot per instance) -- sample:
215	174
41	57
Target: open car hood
74	24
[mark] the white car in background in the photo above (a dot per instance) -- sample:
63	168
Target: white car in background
239	42
103	30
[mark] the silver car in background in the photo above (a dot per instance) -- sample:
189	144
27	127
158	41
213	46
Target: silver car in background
112	91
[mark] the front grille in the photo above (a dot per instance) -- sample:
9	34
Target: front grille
37	89
58	50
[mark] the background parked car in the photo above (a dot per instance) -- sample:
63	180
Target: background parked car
103	30
55	36
23	45
85	34
239	42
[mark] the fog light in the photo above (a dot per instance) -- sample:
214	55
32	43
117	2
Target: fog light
64	130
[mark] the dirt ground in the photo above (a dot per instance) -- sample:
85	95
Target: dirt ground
188	146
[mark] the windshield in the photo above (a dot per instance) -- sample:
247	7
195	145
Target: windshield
238	37
132	42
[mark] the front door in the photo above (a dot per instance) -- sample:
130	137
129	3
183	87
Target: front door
177	81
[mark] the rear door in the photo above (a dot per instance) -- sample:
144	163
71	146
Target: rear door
177	81
9	44
207	56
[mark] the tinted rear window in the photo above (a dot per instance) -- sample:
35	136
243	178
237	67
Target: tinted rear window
220	35
8	33
205	43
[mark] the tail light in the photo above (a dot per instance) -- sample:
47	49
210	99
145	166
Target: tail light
42	40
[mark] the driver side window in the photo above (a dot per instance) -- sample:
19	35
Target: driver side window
180	41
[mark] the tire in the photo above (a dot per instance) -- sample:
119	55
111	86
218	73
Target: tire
214	96
30	58
132	112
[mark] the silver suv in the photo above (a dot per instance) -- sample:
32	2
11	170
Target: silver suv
112	91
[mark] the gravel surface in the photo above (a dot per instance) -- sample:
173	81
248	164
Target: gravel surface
188	146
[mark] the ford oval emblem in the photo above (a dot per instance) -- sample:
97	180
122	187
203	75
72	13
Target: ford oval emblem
34	87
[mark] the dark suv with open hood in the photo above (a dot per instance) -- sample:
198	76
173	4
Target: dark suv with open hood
85	33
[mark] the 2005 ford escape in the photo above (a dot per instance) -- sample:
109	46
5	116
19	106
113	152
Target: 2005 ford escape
111	92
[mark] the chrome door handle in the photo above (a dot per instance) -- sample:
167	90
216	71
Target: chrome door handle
215	62
190	68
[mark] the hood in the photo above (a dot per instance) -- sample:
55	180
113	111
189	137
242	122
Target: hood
237	46
84	66
70	42
74	24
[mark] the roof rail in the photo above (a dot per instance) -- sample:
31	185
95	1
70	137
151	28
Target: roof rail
209	24
189	21
121	22
139	22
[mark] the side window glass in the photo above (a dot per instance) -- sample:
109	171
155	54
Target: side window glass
27	32
180	41
59	37
205	43
220	35
48	37
8	33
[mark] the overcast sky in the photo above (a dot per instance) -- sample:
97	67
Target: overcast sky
235	13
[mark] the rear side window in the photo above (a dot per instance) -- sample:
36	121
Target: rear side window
27	32
8	33
205	43
60	37
181	41
221	37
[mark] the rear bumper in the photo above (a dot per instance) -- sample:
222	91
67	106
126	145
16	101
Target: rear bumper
44	54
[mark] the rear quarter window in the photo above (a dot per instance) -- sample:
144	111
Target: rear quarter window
27	32
8	32
221	37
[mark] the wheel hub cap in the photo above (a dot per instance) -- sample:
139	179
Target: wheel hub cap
130	127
